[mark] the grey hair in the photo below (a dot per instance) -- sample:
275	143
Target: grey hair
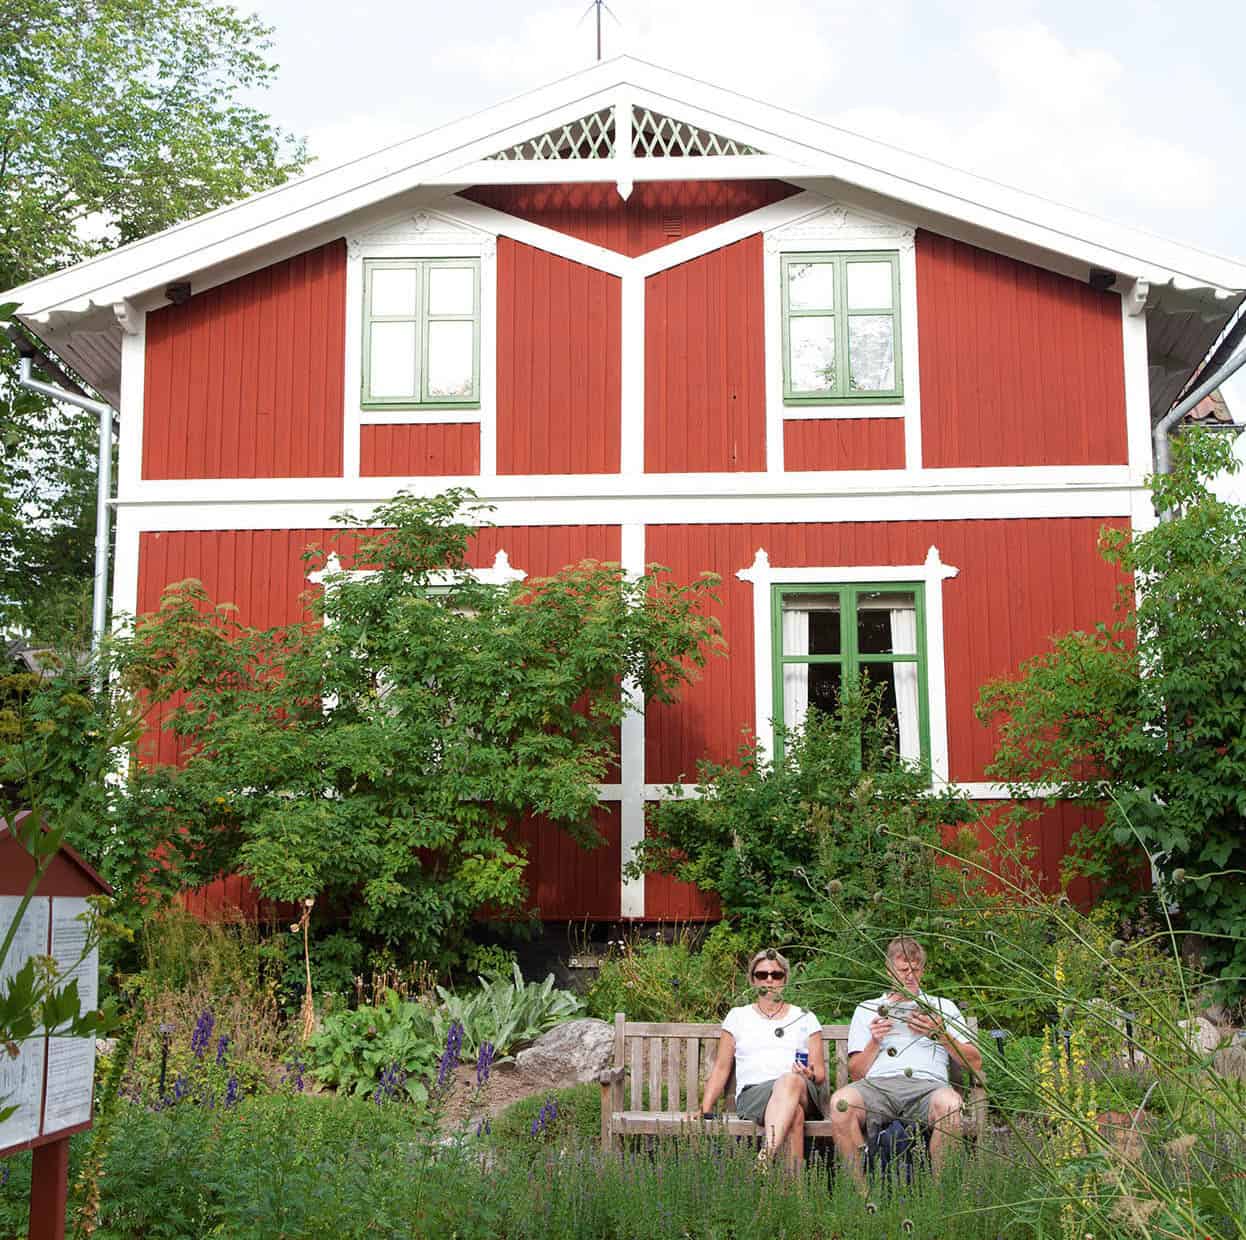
909	948
768	953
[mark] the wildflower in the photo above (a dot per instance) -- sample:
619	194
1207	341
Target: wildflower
675	984
231	1091
293	1075
871	1207
1116	948
906	1225
878	896
841	1105
834	887
202	1033
221	1045
1178	875
180	1089
1180	1147
450	1056
484	1062
908	1071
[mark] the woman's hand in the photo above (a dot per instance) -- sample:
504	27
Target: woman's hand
803	1069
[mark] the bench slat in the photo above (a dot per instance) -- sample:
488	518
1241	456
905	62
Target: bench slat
637	1073
672	1074
655	1074
692	1072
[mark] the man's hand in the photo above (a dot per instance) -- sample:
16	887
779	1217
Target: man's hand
880	1027
927	1026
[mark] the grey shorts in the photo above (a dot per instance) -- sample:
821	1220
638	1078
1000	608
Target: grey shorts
752	1100
888	1098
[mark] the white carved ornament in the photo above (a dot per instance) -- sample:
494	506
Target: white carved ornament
836	223
422	227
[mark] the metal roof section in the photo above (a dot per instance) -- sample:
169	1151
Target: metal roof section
626	120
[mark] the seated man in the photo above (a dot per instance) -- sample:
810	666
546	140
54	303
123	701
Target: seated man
898	1049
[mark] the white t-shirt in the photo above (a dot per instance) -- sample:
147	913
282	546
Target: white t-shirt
760	1053
927	1058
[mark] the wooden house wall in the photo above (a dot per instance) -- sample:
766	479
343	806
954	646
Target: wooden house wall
559	364
245	380
392	451
843	443
1018	366
705	385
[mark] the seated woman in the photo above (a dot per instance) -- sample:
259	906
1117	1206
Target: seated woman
779	1061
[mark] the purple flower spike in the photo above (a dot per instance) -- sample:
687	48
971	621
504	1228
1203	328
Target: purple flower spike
484	1062
450	1056
221	1045
202	1033
231	1091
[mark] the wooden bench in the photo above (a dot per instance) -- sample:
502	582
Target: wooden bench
659	1072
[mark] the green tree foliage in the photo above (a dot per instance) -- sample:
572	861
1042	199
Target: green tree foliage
1148	714
382	760
117	118
771	838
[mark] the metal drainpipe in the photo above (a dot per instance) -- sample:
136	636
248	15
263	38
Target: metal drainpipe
1159	436
103	492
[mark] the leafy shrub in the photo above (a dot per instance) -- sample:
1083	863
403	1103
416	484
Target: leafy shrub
773	837
651	979
353	1050
506	1012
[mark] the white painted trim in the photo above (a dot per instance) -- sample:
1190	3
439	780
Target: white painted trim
130	405
632	376
129	526
1000	482
932	574
414	417
974	791
499	573
1137	379
654	168
537	235
832	413
632	747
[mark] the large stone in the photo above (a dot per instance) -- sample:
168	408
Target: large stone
575	1050
1202	1035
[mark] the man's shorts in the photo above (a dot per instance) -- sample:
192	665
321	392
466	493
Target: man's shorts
752	1100
888	1098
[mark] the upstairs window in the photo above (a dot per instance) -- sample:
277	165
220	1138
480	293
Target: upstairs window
841	328
421	328
825	636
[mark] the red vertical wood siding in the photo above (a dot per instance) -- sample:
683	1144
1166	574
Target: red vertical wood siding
1018	366
656	213
558	376
566	881
843	443
432	448
667	899
1048	837
705	387
246	380
1020	583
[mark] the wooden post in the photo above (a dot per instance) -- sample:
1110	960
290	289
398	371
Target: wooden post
49	1190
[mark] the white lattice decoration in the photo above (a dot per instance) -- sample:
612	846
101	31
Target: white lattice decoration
656	135
590	137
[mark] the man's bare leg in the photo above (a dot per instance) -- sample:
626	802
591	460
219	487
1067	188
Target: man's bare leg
944	1119
847	1130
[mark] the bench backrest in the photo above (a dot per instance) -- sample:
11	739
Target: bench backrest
667	1062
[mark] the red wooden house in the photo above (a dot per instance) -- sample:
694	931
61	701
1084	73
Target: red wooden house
651	320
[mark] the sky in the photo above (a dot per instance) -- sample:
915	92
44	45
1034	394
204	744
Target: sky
1133	111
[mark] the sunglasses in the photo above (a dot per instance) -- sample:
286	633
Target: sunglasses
776	976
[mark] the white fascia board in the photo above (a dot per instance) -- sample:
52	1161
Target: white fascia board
822	150
810	484
305	512
656	168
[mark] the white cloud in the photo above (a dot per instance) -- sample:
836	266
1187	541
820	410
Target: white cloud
1059	125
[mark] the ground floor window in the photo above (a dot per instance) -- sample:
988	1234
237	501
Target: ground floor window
826	634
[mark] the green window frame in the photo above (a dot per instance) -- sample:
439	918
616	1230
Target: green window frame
849	658
422	322
835	304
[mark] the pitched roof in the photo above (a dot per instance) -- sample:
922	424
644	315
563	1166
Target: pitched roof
626	120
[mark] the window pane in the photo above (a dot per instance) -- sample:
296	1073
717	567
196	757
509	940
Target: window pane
391	360
811	363
451	290
450	359
811	624
869	286
811	286
393	290
886	623
899	703
824	682
871	353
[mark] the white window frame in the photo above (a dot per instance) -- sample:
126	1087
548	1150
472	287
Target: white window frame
932	573
835	230
420	235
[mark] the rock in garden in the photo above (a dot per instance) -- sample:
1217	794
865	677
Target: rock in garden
576	1048
1203	1036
